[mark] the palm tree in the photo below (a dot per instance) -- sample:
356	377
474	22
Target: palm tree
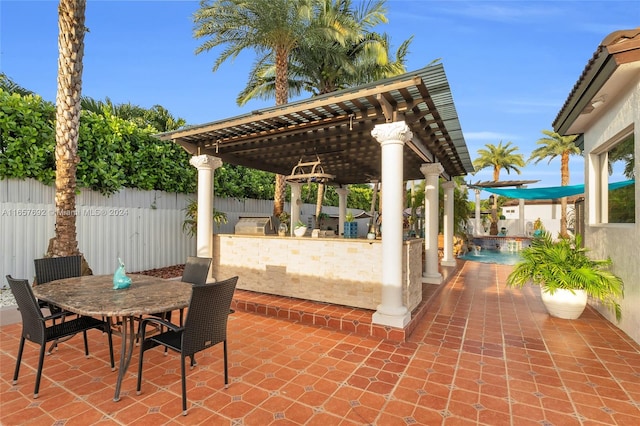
499	157
157	116
322	63
71	17
555	145
273	28
10	86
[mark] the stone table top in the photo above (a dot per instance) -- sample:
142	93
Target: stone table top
94	295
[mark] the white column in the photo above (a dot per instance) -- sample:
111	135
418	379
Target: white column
478	225
205	164
521	225
431	173
448	259
392	138
296	202
342	208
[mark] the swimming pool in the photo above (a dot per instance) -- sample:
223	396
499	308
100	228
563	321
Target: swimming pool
493	256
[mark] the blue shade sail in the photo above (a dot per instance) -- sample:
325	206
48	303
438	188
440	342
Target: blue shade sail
550	192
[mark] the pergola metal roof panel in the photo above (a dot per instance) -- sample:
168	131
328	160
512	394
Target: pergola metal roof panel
336	127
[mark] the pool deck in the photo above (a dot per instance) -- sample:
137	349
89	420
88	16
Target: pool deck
483	354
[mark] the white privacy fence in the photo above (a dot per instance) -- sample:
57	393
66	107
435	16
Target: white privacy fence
143	228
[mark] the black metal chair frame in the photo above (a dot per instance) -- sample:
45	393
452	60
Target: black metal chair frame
196	270
35	329
205	326
56	268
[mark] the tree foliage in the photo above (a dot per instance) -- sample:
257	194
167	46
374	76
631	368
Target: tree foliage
117	149
498	158
27	137
461	205
114	153
242	182
555	145
348	54
552	146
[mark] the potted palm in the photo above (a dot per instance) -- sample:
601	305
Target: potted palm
567	276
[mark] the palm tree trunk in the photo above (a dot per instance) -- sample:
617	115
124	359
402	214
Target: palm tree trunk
564	173
71	17
319	203
282	97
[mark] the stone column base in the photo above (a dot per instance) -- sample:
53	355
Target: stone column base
432	279
398	321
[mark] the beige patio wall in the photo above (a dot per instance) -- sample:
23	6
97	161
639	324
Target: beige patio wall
334	270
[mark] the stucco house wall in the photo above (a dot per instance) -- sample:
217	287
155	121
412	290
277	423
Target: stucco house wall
618	241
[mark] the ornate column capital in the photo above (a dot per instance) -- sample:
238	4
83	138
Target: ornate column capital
431	169
397	131
342	191
448	184
205	162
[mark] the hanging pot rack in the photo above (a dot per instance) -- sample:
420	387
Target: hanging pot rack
309	172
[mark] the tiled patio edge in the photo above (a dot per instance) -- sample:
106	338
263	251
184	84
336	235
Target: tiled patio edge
352	320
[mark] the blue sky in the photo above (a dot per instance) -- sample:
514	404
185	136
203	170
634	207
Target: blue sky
510	64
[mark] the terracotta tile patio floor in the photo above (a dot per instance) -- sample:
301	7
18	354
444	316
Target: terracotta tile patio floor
481	354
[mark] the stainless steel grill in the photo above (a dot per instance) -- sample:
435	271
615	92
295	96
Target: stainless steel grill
255	226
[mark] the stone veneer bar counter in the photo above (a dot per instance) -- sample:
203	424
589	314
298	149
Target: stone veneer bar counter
340	271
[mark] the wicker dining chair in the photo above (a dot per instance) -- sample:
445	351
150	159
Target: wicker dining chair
35	329
196	270
205	326
56	268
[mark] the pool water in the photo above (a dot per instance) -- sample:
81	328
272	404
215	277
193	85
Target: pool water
493	256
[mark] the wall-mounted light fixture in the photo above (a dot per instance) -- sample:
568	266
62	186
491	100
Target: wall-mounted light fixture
598	102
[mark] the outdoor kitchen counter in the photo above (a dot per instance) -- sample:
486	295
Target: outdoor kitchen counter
342	271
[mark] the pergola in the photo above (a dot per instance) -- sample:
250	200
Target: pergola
394	130
337	128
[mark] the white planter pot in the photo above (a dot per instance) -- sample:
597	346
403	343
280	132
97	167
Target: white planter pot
300	231
565	304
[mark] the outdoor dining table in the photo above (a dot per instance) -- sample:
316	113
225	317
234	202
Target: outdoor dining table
94	295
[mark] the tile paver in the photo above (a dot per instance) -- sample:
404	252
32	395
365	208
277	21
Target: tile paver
482	354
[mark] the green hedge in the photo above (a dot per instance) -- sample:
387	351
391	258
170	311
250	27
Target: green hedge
114	153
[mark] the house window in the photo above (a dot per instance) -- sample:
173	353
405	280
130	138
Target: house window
617	163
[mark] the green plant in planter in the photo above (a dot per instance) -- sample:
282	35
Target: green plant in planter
349	217
284	217
300	224
321	218
563	264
